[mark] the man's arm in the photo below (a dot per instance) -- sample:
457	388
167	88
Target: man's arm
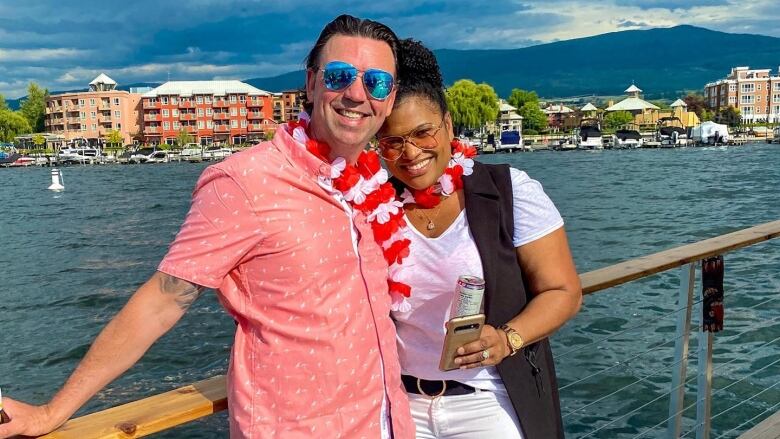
151	312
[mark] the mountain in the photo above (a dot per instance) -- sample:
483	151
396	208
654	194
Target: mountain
664	62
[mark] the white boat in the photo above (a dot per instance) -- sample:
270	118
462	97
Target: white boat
510	141
627	138
141	155
192	152
216	153
671	132
710	133
588	135
78	155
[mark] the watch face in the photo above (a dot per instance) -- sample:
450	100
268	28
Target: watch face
516	341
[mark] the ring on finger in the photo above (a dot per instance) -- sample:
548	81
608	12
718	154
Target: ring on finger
485	354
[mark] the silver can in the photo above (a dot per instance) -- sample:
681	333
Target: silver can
469	291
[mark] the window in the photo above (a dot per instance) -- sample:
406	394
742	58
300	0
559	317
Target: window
234	123
777	86
175	124
776	109
748	88
243	111
747	110
758	98
200	112
165	112
243	124
94	127
91	102
758	87
166	125
208	99
209	124
175	112
117	114
232	99
81	102
242	99
83	127
732	87
83	115
233	111
209	111
732	100
200	124
93	114
165	100
746	99
116	101
199	99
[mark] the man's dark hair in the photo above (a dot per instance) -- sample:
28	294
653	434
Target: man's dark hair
350	26
419	75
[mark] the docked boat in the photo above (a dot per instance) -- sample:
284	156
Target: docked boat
628	138
710	133
588	135
78	155
8	154
510	141
671	132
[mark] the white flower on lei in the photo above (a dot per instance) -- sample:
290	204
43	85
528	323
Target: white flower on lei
399	303
337	167
447	186
299	135
466	163
383	212
407	197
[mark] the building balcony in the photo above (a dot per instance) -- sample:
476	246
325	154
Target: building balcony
151	104
255	104
255	115
221	103
186	104
186	116
221	128
151	117
152	130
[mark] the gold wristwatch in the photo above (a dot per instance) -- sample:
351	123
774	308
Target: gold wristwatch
515	340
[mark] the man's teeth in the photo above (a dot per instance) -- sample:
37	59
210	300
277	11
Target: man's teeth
350	114
420	165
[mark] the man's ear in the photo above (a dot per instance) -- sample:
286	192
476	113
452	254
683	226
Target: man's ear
311	81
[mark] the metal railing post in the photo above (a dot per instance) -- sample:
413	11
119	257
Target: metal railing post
704	385
682	334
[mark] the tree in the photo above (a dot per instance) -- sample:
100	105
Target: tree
114	138
12	124
183	138
615	119
534	119
33	107
519	97
729	116
696	103
472	105
3	103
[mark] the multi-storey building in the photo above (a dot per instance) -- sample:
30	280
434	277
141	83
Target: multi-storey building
211	112
754	92
89	117
288	105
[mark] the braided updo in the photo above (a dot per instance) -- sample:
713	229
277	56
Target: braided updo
419	75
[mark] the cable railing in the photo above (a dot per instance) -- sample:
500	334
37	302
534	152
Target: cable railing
177	407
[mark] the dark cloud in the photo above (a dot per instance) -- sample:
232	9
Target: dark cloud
671	4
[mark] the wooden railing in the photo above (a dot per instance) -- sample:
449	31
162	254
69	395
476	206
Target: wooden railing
203	398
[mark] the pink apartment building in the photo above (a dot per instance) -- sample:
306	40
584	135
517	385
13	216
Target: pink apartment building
88	117
755	93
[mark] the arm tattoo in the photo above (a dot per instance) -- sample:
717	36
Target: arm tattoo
185	292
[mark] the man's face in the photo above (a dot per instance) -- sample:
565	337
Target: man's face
347	119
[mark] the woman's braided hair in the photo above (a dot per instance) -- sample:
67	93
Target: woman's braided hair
419	75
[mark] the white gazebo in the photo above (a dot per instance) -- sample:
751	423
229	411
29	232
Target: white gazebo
102	83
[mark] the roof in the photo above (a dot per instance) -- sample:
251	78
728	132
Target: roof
633	89
555	109
506	107
589	107
511	116
215	88
102	79
678	103
632	104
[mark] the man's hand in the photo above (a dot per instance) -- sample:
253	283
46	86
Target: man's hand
27	420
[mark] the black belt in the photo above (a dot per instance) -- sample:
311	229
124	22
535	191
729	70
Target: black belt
433	388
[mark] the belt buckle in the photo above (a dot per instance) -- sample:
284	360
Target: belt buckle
422	392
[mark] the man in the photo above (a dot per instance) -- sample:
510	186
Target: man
314	352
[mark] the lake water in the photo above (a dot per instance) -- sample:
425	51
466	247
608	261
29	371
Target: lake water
70	260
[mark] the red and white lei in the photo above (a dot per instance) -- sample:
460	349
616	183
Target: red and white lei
364	185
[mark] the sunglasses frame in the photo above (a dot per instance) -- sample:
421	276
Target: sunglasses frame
407	139
362	75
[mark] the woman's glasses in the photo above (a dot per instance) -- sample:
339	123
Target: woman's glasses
338	75
392	147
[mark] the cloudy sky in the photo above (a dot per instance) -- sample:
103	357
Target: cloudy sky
63	44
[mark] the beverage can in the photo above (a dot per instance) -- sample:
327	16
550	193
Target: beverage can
469	292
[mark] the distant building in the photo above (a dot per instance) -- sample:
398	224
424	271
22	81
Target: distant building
559	117
756	93
212	112
288	105
88	117
645	114
508	119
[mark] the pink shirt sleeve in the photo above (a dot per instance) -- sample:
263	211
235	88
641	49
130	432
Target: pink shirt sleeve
219	232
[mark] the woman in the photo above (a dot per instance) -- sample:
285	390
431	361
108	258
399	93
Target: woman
493	222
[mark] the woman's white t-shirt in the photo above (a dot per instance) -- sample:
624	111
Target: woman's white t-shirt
432	270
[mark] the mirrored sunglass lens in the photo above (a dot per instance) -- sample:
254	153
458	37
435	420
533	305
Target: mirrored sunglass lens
379	83
339	75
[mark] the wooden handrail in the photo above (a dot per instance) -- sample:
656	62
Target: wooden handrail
203	398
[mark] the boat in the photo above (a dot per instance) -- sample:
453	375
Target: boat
158	157
141	155
8	154
710	133
510	141
776	135
588	135
671	132
628	137
78	155
192	152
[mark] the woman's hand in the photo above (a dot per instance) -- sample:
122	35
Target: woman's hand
491	340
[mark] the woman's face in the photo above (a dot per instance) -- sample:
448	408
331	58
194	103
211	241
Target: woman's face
417	121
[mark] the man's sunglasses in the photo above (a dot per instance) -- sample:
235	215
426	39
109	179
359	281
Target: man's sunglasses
338	75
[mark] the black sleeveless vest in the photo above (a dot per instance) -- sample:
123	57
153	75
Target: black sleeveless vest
529	376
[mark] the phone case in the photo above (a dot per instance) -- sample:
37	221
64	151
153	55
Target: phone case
460	331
